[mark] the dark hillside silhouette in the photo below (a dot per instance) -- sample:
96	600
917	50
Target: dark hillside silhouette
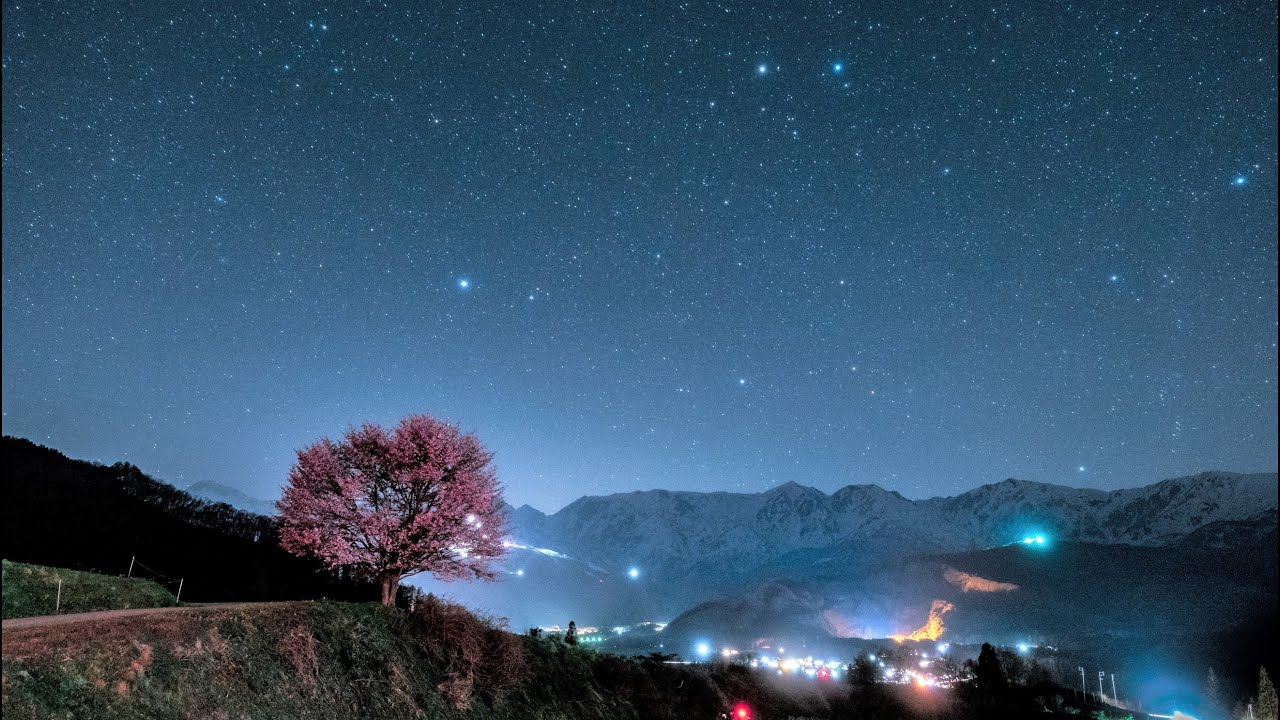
85	516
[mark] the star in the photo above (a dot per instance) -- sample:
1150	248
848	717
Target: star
761	69
837	68
464	284
1240	180
1080	468
1114	279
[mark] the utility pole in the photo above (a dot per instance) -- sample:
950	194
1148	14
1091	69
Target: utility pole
1101	695
1084	692
1114	697
57	603
131	559
179	597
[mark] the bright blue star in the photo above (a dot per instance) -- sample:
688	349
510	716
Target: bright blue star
1240	180
1114	278
761	69
464	284
1080	468
837	68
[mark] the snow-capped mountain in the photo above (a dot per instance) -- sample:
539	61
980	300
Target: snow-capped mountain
678	533
867	548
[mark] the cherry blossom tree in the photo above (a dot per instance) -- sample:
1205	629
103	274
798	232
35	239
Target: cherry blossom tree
390	503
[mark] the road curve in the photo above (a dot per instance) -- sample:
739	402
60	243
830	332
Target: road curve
73	618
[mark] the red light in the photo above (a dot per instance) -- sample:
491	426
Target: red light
742	711
824	674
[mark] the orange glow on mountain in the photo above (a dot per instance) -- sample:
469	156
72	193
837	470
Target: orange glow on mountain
967	582
933	629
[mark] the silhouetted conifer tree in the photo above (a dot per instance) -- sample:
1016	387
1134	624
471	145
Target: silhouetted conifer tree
1268	707
989	675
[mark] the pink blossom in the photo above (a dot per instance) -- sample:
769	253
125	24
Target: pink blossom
392	503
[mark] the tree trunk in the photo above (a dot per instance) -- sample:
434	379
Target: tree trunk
390	586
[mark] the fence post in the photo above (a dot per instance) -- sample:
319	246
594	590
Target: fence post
131	559
57	603
179	596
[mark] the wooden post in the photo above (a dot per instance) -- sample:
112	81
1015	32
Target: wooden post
179	597
57	603
131	559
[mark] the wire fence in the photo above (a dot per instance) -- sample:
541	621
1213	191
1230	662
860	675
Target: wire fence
155	576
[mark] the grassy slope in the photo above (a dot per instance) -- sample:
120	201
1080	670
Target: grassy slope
322	660
31	590
338	660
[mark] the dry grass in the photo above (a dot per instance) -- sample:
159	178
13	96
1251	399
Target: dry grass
474	653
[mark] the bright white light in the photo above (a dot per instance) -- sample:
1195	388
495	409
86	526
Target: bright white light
633	573
520	573
1023	647
761	69
703	649
463	283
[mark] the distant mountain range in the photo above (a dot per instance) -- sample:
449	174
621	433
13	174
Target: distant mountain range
688	547
677	533
219	493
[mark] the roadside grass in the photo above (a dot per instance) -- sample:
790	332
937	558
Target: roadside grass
329	660
31	590
326	660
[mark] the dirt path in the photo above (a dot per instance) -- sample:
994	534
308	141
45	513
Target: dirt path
24	636
49	620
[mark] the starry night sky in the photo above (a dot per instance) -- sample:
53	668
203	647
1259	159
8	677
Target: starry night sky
637	245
